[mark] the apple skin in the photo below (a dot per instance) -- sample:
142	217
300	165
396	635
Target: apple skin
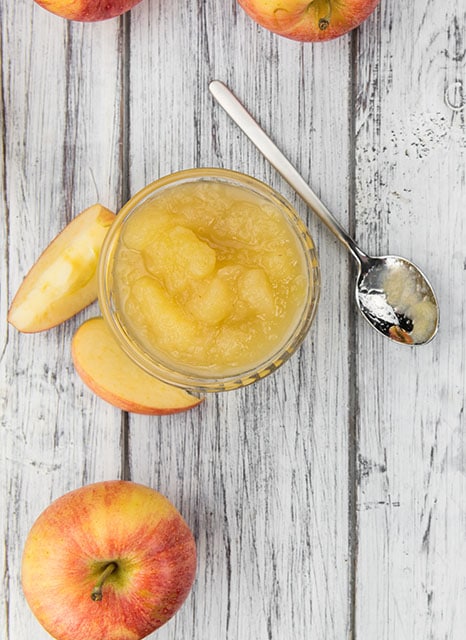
106	369
87	10
83	531
306	21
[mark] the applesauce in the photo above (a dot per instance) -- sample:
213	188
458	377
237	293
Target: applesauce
212	279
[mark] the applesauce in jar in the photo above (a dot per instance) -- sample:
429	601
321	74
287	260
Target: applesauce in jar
212	274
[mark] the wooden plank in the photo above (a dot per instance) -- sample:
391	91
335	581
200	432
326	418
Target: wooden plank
410	192
261	473
61	109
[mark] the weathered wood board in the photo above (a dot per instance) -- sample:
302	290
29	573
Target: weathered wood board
410	197
327	500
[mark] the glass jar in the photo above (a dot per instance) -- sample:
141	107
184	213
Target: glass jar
208	279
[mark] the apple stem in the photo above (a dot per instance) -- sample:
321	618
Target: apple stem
325	21
96	594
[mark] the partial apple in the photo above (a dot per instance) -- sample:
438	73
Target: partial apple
88	10
309	21
106	369
111	560
64	279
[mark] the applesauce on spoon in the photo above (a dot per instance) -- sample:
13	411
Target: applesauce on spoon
208	279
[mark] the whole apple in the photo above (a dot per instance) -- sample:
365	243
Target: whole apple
111	560
309	21
87	10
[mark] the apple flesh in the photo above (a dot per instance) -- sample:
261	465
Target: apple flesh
312	21
64	279
106	369
112	560
87	10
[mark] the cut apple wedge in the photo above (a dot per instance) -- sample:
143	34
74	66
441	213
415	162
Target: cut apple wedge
64	279
106	369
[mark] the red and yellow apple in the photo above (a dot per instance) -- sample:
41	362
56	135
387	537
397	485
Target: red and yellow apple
87	10
111	560
64	279
309	20
106	369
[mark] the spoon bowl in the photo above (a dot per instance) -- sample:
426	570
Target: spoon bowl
396	298
392	293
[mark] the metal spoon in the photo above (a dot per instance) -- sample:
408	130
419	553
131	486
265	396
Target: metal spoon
392	293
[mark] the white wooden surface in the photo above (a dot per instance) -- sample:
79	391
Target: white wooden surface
328	501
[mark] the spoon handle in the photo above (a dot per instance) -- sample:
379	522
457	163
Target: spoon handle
269	150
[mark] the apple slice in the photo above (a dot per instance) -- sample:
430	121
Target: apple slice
64	279
106	369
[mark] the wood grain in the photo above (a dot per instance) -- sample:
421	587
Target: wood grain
410	194
260	474
327	500
61	95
